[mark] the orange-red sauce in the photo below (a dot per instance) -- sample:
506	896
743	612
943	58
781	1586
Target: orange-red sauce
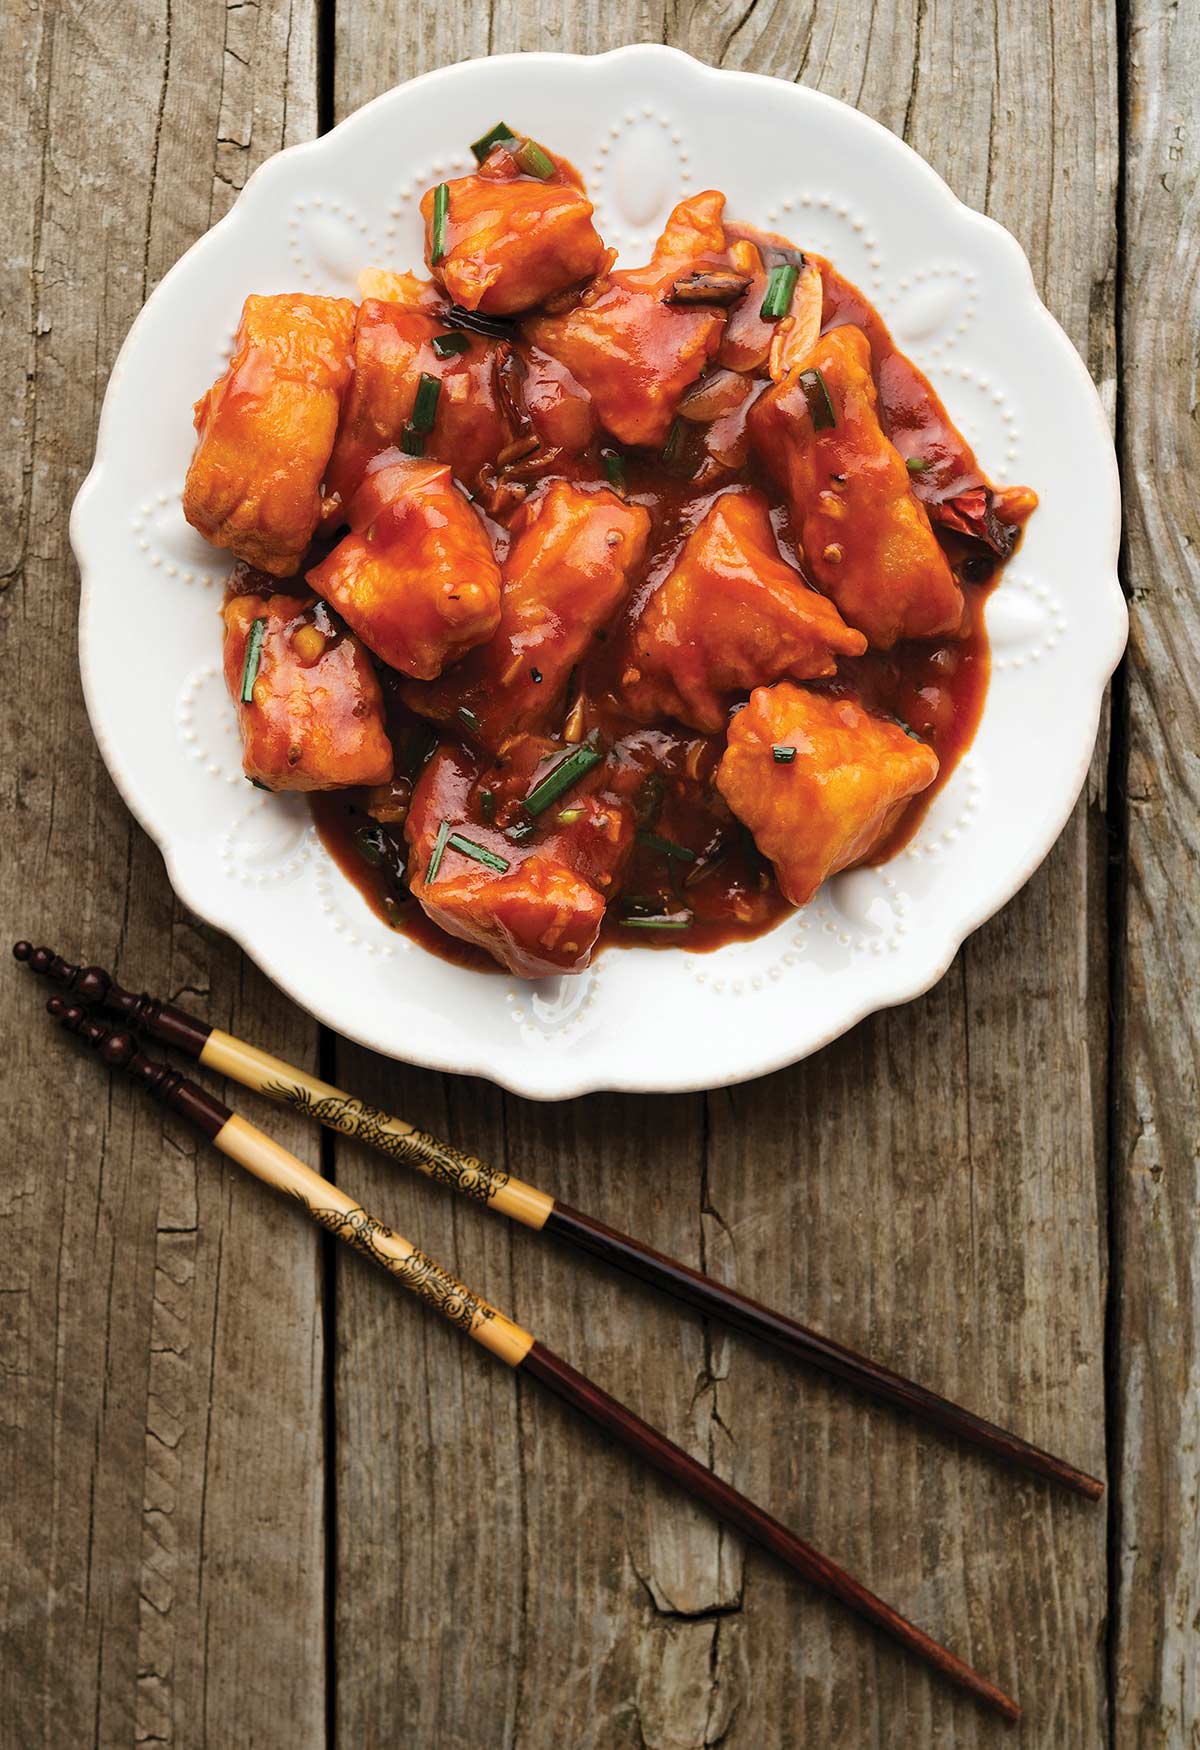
936	688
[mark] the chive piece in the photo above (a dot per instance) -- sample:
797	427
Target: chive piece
411	442
614	469
426	404
653	841
469	848
369	843
521	832
467	716
567	772
568	816
476	322
439	849
781	283
447	345
487	806
707	864
658	923
672	444
259	785
533	161
496	136
817	396
441	212
253	658
783	756
917	464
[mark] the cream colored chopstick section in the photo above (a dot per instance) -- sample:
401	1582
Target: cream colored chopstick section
392	1136
334	1209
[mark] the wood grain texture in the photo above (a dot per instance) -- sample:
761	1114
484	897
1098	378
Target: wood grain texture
931	1188
161	1563
1156	1185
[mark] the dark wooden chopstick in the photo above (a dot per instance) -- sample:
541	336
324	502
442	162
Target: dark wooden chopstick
332	1208
255	1069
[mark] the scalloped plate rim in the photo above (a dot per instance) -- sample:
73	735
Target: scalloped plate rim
566	1076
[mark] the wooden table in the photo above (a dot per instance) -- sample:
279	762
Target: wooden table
250	1495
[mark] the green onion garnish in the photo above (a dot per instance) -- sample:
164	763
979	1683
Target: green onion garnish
369	843
568	816
259	785
521	832
439	849
672	443
441	212
783	756
487	805
494	136
533	161
614	469
467	716
917	464
817	396
253	658
411	442
658	923
781	283
653	841
469	848
446	345
426	404
567	772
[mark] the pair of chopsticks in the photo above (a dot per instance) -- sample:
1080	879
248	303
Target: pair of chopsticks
334	1209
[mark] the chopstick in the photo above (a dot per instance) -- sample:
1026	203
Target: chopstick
497	1190
335	1210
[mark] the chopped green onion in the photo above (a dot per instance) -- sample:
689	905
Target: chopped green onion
487	805
253	658
817	396
707	864
672	443
426	404
521	832
439	850
658	923
369	843
783	756
781	283
259	785
468	717
447	345
568	816
917	464
499	135
441	212
614	468
533	161
469	848
411	442
653	841
567	772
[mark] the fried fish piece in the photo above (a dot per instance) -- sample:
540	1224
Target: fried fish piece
415	577
866	536
837	796
511	240
315	717
266	430
729	616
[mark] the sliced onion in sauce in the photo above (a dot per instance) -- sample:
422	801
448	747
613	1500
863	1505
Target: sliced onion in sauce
718	393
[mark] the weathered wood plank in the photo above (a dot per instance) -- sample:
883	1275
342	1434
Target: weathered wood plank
602	1611
161	1564
1156	1185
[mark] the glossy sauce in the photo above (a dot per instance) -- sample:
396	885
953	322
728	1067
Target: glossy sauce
936	688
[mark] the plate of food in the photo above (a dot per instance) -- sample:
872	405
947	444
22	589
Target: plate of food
585	575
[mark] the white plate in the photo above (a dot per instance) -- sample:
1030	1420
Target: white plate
645	125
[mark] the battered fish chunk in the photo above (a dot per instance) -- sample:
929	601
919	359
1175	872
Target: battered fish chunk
315	718
512	241
731	615
839	794
415	578
866	536
266	430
